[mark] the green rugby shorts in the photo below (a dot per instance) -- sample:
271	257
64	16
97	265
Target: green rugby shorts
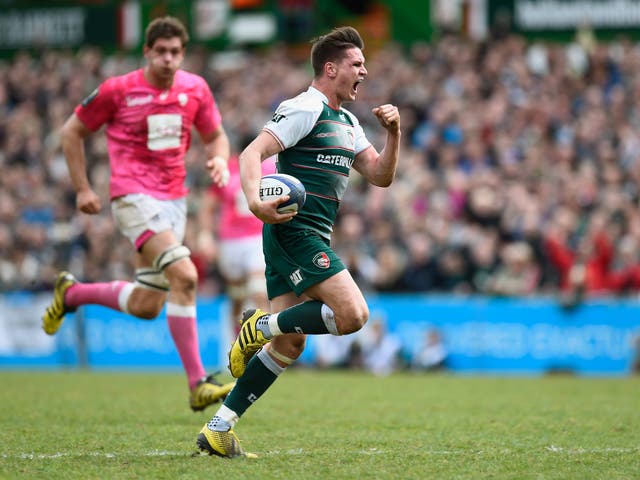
296	259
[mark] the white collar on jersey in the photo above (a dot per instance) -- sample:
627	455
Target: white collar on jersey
314	91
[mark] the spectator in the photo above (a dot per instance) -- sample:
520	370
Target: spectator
337	352
420	273
432	353
453	271
585	269
502	140
381	350
518	274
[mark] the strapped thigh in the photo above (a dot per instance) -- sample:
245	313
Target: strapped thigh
151	279
171	255
154	278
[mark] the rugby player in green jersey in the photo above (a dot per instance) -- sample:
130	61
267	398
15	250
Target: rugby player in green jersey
310	290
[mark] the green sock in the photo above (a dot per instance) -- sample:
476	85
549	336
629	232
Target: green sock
260	373
306	317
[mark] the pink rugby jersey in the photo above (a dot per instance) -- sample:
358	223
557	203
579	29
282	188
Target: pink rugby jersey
236	220
149	130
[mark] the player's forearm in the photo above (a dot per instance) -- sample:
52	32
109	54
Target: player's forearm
73	149
387	162
250	174
218	147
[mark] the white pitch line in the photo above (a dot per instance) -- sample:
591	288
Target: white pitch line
48	456
578	450
300	451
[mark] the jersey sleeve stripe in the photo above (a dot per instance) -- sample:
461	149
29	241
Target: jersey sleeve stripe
277	139
326	197
322	149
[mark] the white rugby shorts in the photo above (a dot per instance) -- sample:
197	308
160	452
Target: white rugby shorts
238	257
138	214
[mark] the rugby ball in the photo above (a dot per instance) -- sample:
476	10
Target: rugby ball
278	185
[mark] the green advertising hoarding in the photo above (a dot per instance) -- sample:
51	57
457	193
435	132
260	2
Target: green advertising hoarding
34	24
410	21
57	26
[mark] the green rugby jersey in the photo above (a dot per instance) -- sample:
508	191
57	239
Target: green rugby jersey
320	145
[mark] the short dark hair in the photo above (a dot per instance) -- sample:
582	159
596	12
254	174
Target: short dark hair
331	47
165	27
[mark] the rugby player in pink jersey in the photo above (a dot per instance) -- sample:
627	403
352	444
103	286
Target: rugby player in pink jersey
226	220
149	115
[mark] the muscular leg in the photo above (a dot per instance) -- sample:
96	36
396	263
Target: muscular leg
144	302
257	289
164	253
242	267
122	296
181	303
335	305
114	295
237	292
338	307
128	297
262	371
163	271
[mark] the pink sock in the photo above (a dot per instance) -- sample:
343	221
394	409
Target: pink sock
105	294
184	330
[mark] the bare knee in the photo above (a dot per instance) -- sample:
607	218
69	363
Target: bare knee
290	345
351	318
146	304
184	283
183	277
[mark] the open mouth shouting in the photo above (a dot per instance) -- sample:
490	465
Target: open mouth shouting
354	88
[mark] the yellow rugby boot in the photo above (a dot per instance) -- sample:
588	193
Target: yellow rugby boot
54	313
223	444
207	392
247	343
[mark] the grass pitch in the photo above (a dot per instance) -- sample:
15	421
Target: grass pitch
324	425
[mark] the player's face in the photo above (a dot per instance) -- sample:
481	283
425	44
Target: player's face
164	58
350	72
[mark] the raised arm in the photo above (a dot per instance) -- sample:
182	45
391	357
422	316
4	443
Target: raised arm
380	168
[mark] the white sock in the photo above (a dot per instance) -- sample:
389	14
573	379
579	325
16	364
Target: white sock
272	326
123	296
224	420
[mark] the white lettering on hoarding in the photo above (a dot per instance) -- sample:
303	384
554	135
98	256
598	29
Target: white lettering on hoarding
46	26
562	14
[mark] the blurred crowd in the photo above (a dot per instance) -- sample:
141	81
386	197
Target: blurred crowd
377	350
519	171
